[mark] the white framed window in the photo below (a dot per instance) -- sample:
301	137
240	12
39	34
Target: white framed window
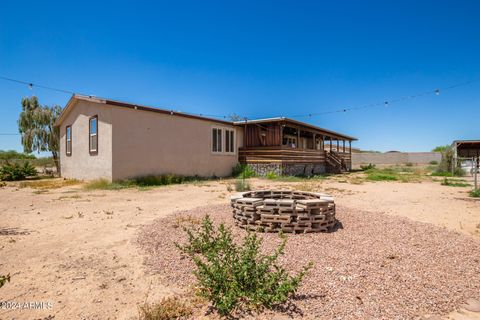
229	141
223	140
68	140
93	135
217	140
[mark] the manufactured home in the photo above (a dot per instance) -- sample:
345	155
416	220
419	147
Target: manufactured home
102	138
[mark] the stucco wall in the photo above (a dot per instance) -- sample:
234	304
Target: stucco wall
395	158
149	143
82	165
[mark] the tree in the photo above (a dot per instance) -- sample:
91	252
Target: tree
441	148
235	117
36	125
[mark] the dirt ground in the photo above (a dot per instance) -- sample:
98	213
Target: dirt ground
76	248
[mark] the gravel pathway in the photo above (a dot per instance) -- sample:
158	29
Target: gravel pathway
374	266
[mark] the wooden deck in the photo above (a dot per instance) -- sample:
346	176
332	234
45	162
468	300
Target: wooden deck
285	155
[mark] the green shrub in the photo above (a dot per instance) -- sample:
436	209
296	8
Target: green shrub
166	309
381	176
14	171
367	167
14	155
454	183
433	162
142	182
242	185
242	170
4	279
475	193
409	164
441	148
271	175
233	276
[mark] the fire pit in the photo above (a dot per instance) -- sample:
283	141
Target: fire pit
288	211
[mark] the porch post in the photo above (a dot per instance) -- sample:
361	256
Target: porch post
338	145
298	138
350	147
281	135
331	142
314	142
343	141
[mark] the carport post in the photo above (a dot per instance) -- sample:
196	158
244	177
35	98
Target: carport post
475	169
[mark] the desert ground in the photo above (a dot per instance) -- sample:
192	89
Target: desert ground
79	249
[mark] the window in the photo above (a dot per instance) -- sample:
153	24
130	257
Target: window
229	141
216	140
68	141
93	135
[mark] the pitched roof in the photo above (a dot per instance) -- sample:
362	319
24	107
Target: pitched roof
77	97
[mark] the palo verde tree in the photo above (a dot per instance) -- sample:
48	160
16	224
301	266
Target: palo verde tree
36	125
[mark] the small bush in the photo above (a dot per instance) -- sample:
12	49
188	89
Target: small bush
441	148
14	155
433	162
271	175
409	164
454	183
169	308
141	182
233	276
367	167
15	171
4	279
475	193
242	185
379	176
243	171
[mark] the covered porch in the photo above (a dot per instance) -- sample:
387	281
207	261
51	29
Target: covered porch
290	142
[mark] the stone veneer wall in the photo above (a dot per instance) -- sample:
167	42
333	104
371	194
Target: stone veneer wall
308	169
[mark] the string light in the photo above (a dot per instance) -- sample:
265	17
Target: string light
385	103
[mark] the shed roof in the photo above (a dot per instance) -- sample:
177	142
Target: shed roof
299	123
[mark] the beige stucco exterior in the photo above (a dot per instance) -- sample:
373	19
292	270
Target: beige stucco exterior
134	143
81	165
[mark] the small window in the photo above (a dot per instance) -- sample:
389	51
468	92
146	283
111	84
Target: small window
216	140
68	141
229	141
93	135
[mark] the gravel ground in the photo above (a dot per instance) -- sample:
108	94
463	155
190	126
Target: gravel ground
374	266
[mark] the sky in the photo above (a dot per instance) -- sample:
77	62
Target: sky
256	59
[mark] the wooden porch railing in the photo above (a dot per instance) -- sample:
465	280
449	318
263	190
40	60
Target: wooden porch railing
283	154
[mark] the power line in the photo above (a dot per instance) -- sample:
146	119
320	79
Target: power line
384	103
31	85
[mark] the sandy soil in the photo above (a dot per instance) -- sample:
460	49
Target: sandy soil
76	248
365	269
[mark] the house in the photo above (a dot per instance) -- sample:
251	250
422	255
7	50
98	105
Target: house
102	138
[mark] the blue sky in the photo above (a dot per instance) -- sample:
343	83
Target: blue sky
256	58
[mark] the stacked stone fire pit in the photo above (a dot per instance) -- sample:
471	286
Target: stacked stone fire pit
288	211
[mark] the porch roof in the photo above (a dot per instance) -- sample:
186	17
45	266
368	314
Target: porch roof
297	123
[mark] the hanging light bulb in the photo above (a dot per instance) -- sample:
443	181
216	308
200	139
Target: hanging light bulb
386	103
30	86
437	92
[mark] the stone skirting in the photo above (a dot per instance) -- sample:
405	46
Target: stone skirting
286	211
287	169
